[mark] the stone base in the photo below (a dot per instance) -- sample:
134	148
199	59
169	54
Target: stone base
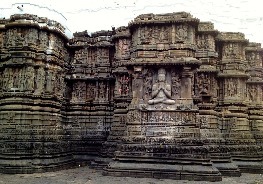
100	163
37	165
164	171
228	169
223	162
255	167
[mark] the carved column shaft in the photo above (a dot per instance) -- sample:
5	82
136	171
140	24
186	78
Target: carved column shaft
187	86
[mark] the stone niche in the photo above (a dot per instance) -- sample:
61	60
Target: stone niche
166	96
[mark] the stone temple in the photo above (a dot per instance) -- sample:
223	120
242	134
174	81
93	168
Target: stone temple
167	96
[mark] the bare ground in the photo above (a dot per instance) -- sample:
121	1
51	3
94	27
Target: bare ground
85	175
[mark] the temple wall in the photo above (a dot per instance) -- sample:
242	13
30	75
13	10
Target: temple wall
32	87
90	86
64	100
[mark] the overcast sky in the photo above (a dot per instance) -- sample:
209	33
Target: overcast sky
93	15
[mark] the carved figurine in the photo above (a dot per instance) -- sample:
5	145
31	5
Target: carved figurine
102	90
181	34
29	78
90	92
50	78
40	80
7	79
16	78
161	91
176	84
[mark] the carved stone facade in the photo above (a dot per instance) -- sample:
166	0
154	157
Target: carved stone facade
32	65
167	96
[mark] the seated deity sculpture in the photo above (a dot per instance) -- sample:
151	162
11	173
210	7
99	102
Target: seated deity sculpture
161	90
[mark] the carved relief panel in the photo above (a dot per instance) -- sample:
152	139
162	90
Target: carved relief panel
103	90
31	36
14	37
145	35
253	59
7	80
202	84
91	57
230	87
50	81
137	87
40	81
122	85
205	84
21	36
163	34
91	91
51	41
59	84
163	85
176	83
80	56
17	76
181	33
184	33
234	88
102	54
43	40
214	85
205	41
79	92
254	93
232	51
153	34
28	79
176	124
148	83
123	47
161	90
18	79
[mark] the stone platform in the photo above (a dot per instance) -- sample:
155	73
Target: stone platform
163	170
